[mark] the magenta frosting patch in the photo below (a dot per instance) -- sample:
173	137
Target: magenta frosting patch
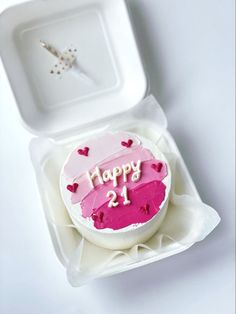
118	181
146	199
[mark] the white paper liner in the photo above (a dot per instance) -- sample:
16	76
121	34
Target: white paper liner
188	221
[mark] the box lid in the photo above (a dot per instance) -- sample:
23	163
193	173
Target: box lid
107	77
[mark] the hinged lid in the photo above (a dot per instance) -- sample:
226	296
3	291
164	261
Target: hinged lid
108	77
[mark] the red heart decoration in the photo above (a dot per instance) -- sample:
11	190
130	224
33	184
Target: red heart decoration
94	217
98	217
157	167
127	144
73	188
84	152
145	209
101	215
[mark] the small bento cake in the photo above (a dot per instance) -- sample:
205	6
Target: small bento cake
116	189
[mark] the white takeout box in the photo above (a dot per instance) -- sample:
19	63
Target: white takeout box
63	112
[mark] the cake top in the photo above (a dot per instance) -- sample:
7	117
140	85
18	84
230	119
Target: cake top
114	182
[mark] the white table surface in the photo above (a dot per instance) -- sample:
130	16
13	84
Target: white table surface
188	47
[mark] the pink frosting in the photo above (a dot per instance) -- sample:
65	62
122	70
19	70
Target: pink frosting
97	196
100	149
146	201
137	153
146	194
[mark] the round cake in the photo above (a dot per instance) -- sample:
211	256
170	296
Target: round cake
116	189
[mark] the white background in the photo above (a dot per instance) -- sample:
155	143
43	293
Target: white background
188	48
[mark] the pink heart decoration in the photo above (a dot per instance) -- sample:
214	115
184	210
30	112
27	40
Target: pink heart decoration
157	167
145	209
73	188
84	152
98	217
127	144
